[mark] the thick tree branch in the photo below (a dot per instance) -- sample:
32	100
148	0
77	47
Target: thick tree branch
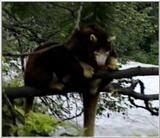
22	92
126	73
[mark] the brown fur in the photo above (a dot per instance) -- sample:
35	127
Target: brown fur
75	63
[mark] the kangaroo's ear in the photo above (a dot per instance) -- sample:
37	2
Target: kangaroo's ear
93	38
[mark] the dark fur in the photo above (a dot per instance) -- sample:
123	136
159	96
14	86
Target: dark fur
40	68
65	60
81	46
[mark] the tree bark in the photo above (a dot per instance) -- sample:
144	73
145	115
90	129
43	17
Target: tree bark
90	109
126	73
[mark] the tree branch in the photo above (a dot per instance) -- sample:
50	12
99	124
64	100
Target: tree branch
21	92
128	91
32	53
153	111
78	16
126	73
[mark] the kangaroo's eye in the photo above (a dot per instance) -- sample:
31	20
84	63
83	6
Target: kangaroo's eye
107	53
96	53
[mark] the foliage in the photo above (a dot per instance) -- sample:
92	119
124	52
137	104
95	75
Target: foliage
112	102
27	25
10	117
135	25
33	124
11	75
37	124
8	129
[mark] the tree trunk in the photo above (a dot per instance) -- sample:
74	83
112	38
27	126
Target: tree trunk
90	109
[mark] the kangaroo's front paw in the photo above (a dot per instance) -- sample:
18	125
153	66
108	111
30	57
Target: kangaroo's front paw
88	71
57	86
113	65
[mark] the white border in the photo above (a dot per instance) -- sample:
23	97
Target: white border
159	65
69	1
1	70
80	1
